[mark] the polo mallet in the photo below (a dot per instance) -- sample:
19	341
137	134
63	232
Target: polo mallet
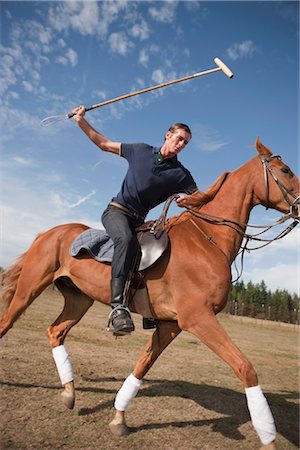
221	67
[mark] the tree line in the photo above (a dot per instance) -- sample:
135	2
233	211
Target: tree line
256	300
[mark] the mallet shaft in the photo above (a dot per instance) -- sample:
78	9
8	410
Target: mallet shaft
221	67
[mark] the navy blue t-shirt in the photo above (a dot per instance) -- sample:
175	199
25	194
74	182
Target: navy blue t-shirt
147	183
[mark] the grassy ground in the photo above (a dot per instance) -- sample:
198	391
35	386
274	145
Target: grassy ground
189	400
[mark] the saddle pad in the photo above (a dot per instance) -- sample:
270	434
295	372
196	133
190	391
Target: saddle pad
100	246
96	242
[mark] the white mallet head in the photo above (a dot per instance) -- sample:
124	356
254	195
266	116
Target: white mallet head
223	67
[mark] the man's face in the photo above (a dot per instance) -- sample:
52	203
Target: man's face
175	142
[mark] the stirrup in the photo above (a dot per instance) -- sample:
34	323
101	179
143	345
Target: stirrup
111	327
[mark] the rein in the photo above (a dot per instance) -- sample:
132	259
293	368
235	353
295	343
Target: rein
240	227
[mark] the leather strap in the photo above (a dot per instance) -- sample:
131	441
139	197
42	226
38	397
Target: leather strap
127	211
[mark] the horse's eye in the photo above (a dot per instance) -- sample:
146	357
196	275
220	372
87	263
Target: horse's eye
286	169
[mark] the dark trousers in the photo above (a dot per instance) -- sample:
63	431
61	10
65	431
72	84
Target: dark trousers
120	227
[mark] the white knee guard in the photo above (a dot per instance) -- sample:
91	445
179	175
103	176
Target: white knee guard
261	416
127	392
63	364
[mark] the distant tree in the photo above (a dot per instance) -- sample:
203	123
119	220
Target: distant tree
256	300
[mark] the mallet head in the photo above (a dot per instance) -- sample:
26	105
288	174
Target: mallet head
223	67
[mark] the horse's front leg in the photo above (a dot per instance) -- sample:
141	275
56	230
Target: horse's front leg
163	335
207	328
76	305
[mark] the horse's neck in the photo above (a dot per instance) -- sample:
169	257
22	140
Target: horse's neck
233	201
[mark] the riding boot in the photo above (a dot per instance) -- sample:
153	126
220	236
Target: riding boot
120	321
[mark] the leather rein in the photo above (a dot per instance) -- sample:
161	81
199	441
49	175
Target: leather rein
240	227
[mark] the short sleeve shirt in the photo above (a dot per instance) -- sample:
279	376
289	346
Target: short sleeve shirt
146	183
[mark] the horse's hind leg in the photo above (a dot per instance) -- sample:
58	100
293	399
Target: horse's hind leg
76	305
164	334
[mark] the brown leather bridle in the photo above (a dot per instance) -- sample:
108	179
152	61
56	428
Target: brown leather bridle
285	192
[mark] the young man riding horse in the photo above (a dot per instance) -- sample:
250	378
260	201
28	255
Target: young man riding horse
153	175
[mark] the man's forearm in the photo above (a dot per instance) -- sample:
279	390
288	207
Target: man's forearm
92	134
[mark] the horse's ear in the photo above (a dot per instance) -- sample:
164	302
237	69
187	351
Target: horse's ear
262	150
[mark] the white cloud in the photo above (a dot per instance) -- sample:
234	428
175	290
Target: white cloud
101	94
208	139
13	95
13	119
144	57
35	75
279	276
192	5
119	43
8	14
158	76
70	57
83	199
27	211
61	43
278	263
140	30
24	161
27	86
281	250
80	16
109	13
244	49
165	12
7	66
145	54
44	36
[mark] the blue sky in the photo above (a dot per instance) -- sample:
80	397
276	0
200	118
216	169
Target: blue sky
57	55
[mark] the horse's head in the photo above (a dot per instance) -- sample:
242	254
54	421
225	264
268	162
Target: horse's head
280	189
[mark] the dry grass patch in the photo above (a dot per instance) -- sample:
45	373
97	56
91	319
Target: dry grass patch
189	400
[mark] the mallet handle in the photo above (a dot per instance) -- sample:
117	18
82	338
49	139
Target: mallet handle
220	64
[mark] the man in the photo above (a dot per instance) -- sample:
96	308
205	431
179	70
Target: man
153	175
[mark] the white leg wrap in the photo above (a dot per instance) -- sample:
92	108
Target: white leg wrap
63	364
261	416
127	392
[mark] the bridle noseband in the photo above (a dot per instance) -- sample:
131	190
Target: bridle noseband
285	192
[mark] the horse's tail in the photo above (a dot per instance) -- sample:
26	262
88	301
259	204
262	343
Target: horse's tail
10	278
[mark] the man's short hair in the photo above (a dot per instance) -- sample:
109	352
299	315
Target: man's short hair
178	125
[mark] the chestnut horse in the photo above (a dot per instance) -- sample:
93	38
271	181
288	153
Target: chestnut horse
187	286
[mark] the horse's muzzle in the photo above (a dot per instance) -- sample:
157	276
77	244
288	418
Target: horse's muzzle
295	208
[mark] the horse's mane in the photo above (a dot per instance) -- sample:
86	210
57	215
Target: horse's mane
211	192
197	200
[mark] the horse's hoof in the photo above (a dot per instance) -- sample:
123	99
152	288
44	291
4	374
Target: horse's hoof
68	399
271	446
119	429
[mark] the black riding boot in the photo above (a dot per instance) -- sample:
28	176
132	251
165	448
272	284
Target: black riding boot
120	319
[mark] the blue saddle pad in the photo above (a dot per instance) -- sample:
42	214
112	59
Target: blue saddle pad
96	242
